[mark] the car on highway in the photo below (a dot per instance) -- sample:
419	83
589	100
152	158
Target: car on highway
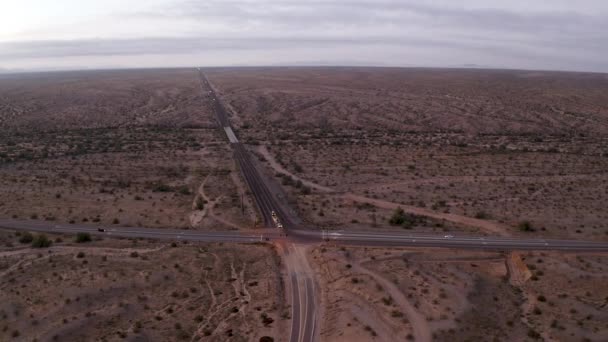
101	230
448	236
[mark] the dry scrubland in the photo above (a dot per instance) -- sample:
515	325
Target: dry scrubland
137	148
137	290
493	148
392	294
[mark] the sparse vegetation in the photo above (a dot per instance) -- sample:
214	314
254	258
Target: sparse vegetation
41	241
83	237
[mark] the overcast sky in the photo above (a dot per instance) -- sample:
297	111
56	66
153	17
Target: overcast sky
528	34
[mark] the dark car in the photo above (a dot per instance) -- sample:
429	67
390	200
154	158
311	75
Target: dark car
101	230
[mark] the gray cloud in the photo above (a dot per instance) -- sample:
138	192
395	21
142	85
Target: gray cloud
473	32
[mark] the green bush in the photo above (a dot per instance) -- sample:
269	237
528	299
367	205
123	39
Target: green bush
482	215
200	203
525	226
407	220
160	187
83	237
184	190
41	241
26	237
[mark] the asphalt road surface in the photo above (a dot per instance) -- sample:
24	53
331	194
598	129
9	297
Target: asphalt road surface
387	239
400	239
140	232
264	199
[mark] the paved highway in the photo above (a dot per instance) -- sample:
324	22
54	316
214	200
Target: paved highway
266	202
402	239
303	321
387	239
140	232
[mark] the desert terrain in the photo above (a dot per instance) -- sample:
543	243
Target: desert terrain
447	152
445	295
138	290
476	151
135	148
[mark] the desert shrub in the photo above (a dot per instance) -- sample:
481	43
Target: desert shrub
266	339
287	180
387	300
297	167
482	215
398	217
26	237
200	203
266	320
134	254
533	334
396	313
525	226
184	190
161	187
115	221
41	241
80	255
83	237
407	220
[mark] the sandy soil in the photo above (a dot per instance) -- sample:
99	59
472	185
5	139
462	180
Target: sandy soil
476	151
129	147
399	294
139	290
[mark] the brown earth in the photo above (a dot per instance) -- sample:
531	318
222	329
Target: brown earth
117	147
379	294
459	147
111	290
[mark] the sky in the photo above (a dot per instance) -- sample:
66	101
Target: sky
86	34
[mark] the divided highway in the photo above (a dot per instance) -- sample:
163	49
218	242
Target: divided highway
266	202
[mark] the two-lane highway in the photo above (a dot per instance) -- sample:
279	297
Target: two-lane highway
405	239
140	232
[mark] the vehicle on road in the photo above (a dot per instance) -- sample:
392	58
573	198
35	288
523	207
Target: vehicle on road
448	236
101	230
275	219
